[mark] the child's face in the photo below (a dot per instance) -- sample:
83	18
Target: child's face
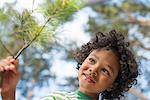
98	71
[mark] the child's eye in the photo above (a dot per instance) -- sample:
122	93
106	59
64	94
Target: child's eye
105	72
92	61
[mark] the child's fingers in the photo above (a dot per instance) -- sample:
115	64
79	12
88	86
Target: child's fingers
6	67
3	63
13	61
10	67
1	69
13	68
16	62
8	64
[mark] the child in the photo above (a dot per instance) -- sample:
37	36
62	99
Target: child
107	69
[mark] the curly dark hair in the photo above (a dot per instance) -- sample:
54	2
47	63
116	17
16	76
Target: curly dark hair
128	66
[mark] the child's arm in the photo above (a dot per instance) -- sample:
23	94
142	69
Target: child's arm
9	95
10	76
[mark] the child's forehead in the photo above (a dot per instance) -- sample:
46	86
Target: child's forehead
99	50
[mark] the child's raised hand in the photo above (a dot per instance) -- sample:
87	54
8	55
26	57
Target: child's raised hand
9	73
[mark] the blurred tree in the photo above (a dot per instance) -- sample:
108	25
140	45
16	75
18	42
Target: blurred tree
130	17
123	15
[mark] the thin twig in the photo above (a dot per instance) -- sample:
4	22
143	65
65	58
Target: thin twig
30	42
5	48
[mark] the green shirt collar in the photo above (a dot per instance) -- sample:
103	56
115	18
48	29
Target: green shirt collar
82	96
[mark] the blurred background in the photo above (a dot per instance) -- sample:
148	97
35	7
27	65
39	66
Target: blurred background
51	67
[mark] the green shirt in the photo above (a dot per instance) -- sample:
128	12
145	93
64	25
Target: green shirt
77	95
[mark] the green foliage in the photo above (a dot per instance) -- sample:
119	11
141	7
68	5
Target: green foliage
27	29
59	10
3	16
59	7
55	13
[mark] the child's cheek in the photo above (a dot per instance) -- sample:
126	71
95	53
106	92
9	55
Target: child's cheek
81	70
103	80
84	66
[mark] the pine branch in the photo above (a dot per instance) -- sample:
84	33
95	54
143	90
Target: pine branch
30	42
30	29
35	37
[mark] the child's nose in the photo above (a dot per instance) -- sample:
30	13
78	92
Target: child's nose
92	73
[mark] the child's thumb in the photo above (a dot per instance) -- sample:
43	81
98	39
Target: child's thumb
16	61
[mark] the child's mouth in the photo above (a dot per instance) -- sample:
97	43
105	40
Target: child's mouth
89	78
